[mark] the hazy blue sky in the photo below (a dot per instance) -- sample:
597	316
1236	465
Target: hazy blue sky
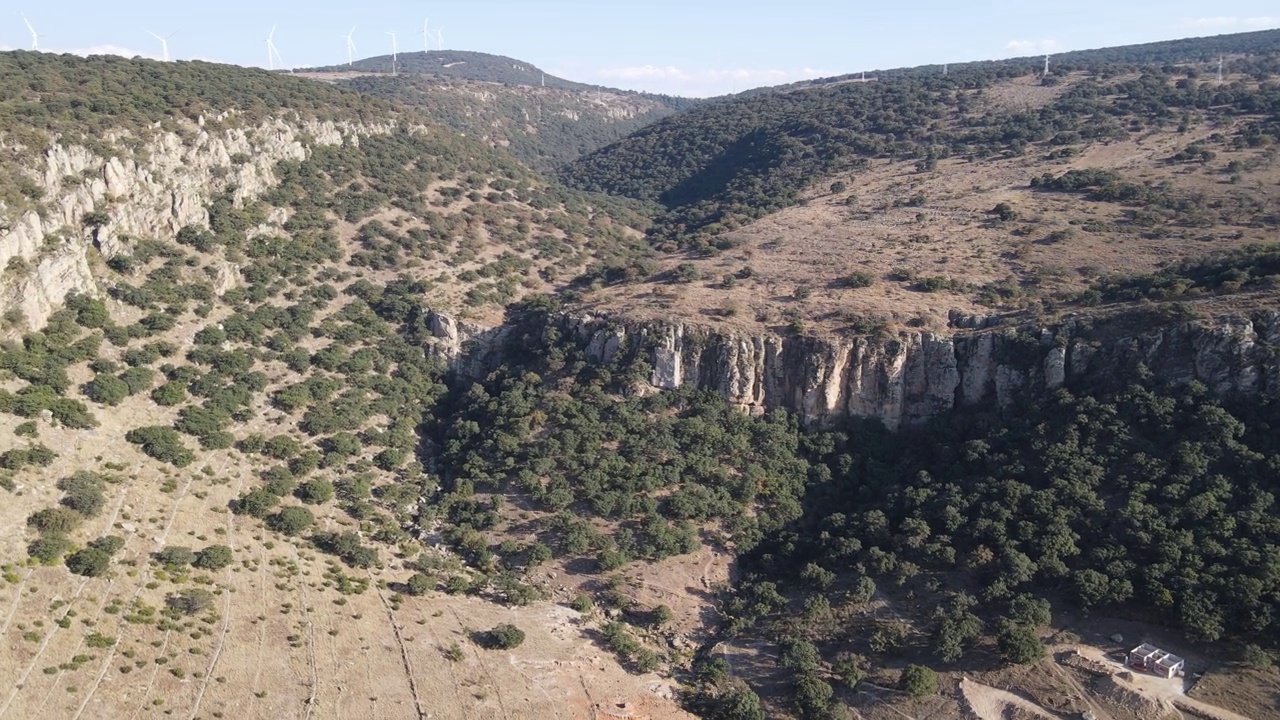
690	47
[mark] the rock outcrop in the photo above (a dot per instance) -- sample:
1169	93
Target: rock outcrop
96	202
907	378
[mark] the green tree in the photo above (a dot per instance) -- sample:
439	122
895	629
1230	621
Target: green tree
315	492
176	556
918	681
1018	643
214	557
89	562
420	584
504	637
291	520
257	503
191	601
107	390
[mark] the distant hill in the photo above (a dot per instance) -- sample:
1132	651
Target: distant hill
726	163
544	120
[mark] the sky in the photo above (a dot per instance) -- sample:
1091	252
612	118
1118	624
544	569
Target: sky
692	48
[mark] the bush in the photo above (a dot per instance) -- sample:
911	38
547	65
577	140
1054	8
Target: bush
256	503
137	379
190	602
214	557
89	562
918	681
107	390
858	280
50	547
83	493
176	556
291	520
109	544
315	492
503	637
169	394
420	584
55	520
162	443
1018	644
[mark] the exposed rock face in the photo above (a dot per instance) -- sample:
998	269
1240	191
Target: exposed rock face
153	191
909	378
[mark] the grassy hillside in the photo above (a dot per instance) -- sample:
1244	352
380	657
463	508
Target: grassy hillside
543	127
721	165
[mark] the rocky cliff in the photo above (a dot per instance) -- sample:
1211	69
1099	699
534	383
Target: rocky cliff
912	376
94	201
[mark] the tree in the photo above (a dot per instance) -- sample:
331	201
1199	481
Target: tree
176	556
738	702
918	681
315	492
50	547
55	520
107	390
190	601
420	584
256	503
214	557
161	443
89	562
813	695
291	520
504	637
800	655
1018	644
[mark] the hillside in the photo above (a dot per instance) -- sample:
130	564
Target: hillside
543	120
224	298
926	397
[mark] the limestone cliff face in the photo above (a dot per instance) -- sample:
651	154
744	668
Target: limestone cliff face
913	376
151	191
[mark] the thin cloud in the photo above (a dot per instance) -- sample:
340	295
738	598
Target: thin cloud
699	83
110	49
1031	47
1222	22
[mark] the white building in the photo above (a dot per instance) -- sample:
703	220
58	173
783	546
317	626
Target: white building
1149	658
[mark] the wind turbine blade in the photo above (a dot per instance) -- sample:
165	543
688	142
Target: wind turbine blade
28	22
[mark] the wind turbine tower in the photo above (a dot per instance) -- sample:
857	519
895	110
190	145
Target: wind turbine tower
426	35
393	52
35	37
351	47
1046	66
1219	69
273	54
164	44
439	38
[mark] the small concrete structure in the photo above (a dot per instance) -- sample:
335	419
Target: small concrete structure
1151	659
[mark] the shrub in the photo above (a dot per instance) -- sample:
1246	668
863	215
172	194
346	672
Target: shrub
420	584
503	637
1018	644
315	492
162	443
89	562
858	280
107	390
190	601
169	394
291	520
137	379
109	544
918	681
214	557
50	547
256	503
55	520
176	556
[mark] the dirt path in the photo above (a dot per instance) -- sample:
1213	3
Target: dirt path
989	703
404	652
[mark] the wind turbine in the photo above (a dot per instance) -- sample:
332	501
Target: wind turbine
393	51
164	44
35	37
273	54
426	35
1046	66
351	47
439	38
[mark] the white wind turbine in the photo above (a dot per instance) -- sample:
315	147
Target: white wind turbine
35	37
164	44
351	47
426	35
272	53
439	38
393	51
